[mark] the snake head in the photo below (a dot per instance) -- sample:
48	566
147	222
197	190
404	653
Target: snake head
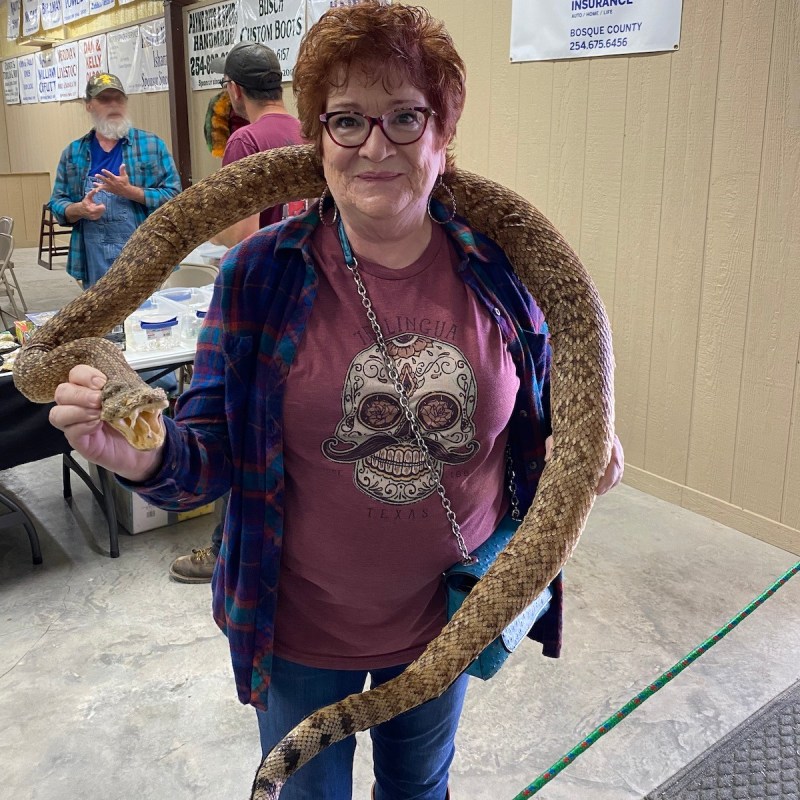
135	411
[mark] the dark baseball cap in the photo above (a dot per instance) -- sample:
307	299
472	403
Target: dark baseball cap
101	82
252	65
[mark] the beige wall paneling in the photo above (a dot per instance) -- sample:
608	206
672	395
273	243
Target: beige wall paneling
735	167
690	128
22	197
790	513
773	316
5	161
602	174
639	220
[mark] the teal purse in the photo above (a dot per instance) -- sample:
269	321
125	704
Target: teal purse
459	581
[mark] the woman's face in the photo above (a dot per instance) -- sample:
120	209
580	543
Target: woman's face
381	181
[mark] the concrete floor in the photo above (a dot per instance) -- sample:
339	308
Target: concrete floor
115	683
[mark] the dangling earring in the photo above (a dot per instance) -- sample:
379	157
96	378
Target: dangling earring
322	210
440	184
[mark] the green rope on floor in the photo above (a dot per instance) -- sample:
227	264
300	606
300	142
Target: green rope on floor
659	683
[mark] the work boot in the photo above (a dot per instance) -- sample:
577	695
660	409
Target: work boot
446	797
196	568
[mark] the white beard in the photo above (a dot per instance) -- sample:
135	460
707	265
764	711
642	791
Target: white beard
112	129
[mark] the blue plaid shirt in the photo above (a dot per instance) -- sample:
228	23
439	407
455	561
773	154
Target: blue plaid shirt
149	165
228	428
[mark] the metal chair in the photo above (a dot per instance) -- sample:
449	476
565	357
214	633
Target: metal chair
188	275
9	289
6	224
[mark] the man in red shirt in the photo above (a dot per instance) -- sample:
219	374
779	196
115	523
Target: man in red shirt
252	77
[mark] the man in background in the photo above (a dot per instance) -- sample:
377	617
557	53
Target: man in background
252	75
109	181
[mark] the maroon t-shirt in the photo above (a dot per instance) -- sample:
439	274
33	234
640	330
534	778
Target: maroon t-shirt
271	130
365	536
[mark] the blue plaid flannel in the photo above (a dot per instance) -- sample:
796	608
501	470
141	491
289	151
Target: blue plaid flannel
149	165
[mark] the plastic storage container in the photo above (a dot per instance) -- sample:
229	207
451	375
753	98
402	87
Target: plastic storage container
155	325
193	302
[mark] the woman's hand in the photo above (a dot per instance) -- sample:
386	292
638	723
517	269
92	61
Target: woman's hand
616	464
77	414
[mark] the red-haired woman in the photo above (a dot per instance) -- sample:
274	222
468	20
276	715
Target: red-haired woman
335	538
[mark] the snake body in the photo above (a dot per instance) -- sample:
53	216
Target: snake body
581	405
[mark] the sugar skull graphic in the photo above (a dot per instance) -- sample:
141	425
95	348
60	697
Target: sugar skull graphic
374	434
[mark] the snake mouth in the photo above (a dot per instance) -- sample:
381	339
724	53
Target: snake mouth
135	414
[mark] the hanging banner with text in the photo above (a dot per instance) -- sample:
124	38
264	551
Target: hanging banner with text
122	49
50	13
74	10
12	26
91	59
30	17
316	8
99	6
67	71
153	61
27	80
582	28
279	24
11	82
211	33
46	76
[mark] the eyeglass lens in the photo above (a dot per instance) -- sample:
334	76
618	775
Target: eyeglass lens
402	126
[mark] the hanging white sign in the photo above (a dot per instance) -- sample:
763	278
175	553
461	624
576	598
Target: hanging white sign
11	82
46	76
67	71
12	26
30	17
279	24
74	10
316	8
27	80
153	62
91	59
124	2
98	6
211	32
122	48
50	13
582	28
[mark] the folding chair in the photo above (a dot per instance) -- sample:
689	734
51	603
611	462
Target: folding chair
9	288
6	225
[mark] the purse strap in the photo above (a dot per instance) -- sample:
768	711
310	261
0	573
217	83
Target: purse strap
391	368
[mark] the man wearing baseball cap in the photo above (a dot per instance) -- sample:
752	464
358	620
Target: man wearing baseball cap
109	181
252	75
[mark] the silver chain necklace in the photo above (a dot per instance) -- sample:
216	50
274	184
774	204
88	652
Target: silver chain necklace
391	368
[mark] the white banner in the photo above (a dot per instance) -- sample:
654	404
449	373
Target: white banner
122	47
153	61
279	24
46	76
98	6
124	2
582	28
91	59
11	82
30	17
67	71
211	32
50	12
27	79
75	10
12	28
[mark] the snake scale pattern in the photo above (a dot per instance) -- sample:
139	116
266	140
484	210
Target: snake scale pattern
581	402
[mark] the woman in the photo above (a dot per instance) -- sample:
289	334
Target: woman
335	538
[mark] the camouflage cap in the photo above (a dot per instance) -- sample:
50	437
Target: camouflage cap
102	81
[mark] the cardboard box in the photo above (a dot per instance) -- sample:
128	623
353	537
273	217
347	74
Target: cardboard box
136	515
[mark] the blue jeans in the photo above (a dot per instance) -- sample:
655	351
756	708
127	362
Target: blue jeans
411	753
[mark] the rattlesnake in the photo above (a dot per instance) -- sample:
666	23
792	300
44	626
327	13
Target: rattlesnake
581	401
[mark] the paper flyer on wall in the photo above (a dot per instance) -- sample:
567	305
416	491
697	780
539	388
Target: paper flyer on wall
46	76
12	24
67	70
27	80
50	12
122	51
99	6
583	28
211	32
30	17
11	82
74	10
92	59
279	24
153	61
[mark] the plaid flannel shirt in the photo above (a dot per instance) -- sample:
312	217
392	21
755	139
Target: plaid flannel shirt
149	165
228	429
